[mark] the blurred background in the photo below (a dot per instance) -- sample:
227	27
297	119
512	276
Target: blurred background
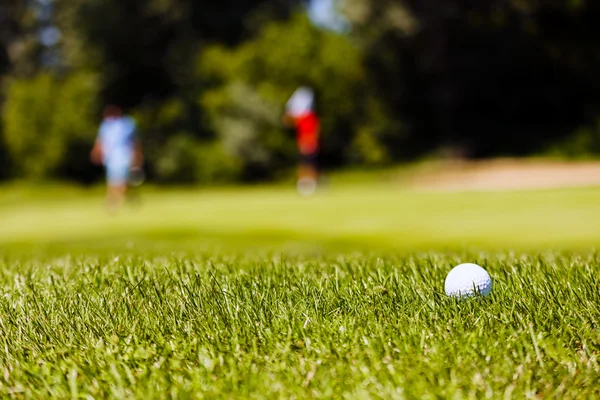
506	93
207	82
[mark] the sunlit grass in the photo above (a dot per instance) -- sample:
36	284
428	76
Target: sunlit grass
311	326
258	293
366	215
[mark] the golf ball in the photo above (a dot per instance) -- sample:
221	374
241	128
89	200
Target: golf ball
466	280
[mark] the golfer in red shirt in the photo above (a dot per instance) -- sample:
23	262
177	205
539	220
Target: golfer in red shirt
300	112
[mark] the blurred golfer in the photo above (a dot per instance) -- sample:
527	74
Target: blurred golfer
118	149
300	113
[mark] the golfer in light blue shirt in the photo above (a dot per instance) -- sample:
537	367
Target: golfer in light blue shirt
118	149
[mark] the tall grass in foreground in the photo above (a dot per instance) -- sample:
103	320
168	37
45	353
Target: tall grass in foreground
283	327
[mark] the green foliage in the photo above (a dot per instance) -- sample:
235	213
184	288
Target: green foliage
367	150
407	78
445	69
248	127
254	81
148	45
44	117
19	38
156	121
5	164
584	143
215	165
181	157
187	160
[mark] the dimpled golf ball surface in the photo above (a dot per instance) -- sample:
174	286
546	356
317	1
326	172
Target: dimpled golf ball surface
466	280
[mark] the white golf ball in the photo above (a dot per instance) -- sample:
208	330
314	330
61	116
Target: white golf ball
466	280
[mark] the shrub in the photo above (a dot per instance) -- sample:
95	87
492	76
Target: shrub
187	160
584	143
45	117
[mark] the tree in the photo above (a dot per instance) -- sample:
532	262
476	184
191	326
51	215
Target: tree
494	77
252	83
143	48
45	118
10	28
143	53
11	15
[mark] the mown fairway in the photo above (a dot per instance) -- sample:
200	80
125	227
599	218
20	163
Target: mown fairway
260	294
365	216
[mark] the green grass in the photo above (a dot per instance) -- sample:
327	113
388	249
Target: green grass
257	293
366	215
353	326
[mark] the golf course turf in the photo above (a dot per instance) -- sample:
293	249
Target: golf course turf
257	293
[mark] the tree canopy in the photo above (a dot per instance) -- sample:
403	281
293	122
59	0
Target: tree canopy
207	81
